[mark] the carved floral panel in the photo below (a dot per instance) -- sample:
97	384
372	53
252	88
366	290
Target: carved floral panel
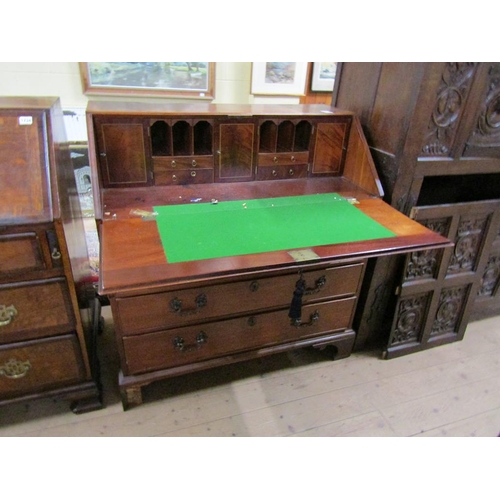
410	319
467	244
450	100
449	310
425	264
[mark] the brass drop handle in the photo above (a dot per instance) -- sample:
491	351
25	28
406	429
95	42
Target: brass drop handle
176	305
313	318
56	254
292	158
318	285
274	173
194	163
174	163
174	178
180	345
291	172
7	313
275	159
193	174
15	369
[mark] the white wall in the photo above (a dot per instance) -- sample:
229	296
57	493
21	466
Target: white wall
62	79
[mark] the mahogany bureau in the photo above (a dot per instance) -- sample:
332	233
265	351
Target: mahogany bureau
176	317
46	310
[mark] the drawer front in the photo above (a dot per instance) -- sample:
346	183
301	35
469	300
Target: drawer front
39	365
284	172
34	309
182	162
20	253
184	176
160	350
279	159
170	309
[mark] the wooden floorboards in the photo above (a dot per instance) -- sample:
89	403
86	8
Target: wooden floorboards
452	390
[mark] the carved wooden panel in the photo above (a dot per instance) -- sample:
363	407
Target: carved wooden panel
490	280
451	96
439	289
425	264
410	320
470	235
449	311
487	131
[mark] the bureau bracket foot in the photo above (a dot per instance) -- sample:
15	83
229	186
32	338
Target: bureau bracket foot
340	347
131	396
86	405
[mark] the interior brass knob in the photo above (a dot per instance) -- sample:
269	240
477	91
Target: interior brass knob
194	163
292	158
193	173
174	164
275	159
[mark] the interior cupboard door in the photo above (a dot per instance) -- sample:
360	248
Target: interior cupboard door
122	152
235	151
440	286
24	168
329	147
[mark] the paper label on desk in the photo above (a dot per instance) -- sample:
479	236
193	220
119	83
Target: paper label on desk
301	255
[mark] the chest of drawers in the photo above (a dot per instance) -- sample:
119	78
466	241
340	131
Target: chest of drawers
46	326
181	330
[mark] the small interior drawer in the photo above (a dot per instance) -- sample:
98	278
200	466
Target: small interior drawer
170	309
155	351
278	159
40	365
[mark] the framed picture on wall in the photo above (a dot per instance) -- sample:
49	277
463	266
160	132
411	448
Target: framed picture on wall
323	76
279	78
162	79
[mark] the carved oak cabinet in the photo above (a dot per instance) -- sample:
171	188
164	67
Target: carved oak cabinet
45	315
436	143
174	318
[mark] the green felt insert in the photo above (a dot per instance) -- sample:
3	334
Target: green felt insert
199	231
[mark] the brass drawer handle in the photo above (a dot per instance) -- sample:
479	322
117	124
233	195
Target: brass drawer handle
174	163
15	369
56	254
313	318
320	283
292	158
193	173
274	173
291	172
7	313
275	159
194	163
254	286
200	302
180	345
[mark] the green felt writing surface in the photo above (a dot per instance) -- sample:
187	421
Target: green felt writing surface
199	231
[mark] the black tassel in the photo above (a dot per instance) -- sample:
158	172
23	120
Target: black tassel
295	312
